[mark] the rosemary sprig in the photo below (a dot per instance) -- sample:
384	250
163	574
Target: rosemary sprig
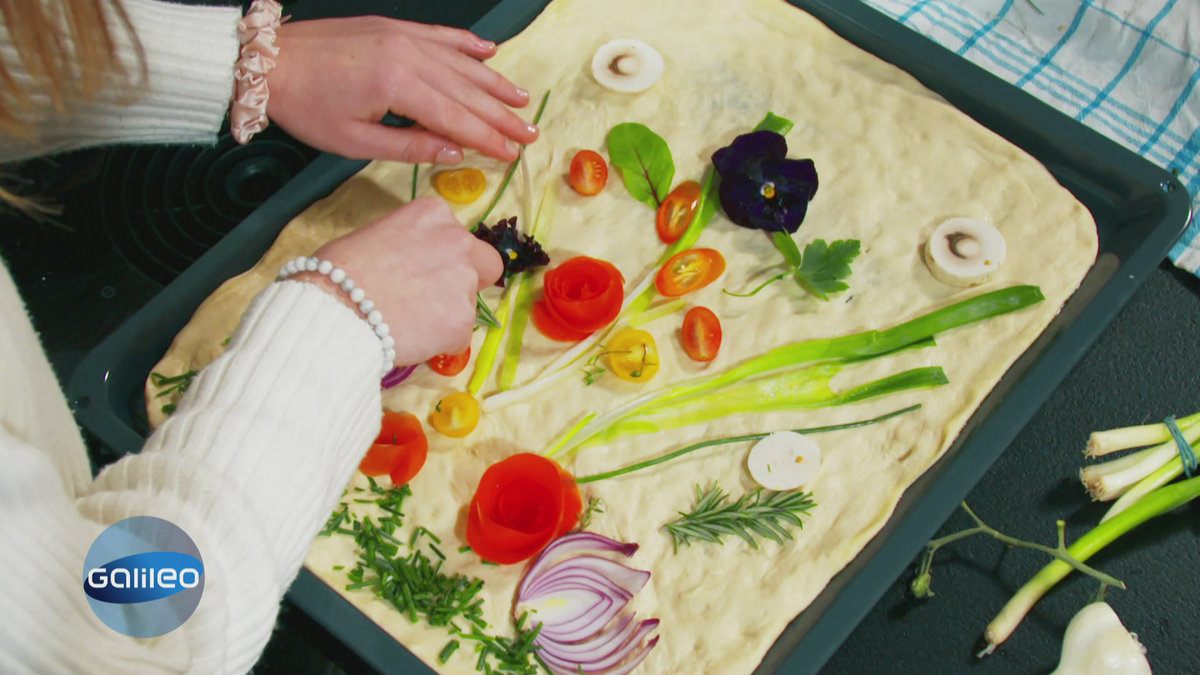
755	513
484	315
595	505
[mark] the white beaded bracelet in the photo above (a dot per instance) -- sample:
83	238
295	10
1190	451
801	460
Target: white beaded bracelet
357	295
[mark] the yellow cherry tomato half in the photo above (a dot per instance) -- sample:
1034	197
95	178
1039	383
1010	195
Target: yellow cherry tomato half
633	356
689	271
456	415
461	186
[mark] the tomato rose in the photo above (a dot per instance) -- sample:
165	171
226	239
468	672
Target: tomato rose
580	297
399	451
523	503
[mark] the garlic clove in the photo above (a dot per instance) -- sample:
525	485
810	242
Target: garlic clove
1097	643
628	66
965	252
784	460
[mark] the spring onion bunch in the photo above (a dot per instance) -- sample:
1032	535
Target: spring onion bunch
1130	478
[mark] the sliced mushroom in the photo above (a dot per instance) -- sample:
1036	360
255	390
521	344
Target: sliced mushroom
784	460
965	251
627	66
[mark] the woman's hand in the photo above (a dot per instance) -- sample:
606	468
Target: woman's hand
336	78
422	270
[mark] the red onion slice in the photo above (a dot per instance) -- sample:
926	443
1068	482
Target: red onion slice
578	601
396	375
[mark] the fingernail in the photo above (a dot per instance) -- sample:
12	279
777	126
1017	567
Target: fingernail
523	93
448	156
487	44
512	147
531	129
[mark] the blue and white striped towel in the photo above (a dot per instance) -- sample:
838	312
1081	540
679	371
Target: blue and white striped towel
1123	67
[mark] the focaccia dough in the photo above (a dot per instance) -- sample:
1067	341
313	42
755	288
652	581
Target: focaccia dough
894	160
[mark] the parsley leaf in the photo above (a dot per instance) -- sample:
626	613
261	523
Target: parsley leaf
819	270
825	265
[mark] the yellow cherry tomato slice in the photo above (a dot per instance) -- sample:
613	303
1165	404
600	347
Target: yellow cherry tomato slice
461	186
633	355
456	415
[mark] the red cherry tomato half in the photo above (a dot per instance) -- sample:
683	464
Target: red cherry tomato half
523	503
450	364
689	271
701	334
580	297
589	173
399	451
676	212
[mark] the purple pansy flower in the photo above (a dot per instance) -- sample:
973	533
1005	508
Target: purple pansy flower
760	188
519	251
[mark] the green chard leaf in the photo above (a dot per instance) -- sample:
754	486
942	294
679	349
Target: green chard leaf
643	160
825	265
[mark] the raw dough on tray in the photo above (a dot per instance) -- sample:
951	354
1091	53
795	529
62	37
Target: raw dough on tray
894	161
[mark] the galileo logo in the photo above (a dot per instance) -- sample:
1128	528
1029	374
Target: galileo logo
143	577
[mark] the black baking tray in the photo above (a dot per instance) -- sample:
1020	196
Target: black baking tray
1140	211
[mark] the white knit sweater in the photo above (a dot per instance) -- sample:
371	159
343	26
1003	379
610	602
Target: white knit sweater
250	464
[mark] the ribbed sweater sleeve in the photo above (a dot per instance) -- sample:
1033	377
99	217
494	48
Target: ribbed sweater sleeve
190	52
250	465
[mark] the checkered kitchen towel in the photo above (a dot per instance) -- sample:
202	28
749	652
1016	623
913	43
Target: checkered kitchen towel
1126	68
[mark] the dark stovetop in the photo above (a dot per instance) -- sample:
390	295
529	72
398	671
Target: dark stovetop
140	215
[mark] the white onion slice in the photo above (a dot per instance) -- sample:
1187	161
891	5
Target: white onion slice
577	603
784	460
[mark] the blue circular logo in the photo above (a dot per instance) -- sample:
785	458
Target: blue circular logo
143	577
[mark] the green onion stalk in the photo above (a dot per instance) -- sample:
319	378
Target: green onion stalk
1156	503
726	441
639	299
798	390
863	345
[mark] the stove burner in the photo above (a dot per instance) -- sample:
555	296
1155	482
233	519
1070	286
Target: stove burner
165	206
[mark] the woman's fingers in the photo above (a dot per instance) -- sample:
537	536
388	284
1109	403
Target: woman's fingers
412	145
487	263
461	90
484	78
449	118
460	40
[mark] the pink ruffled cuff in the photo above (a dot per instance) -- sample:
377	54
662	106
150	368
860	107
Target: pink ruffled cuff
256	32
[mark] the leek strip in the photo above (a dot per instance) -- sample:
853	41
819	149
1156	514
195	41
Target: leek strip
665	309
800	390
512	168
570	433
489	350
523	305
1113	440
734	439
1154	504
856	346
705	210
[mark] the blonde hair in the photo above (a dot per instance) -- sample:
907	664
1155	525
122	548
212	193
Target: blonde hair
65	50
